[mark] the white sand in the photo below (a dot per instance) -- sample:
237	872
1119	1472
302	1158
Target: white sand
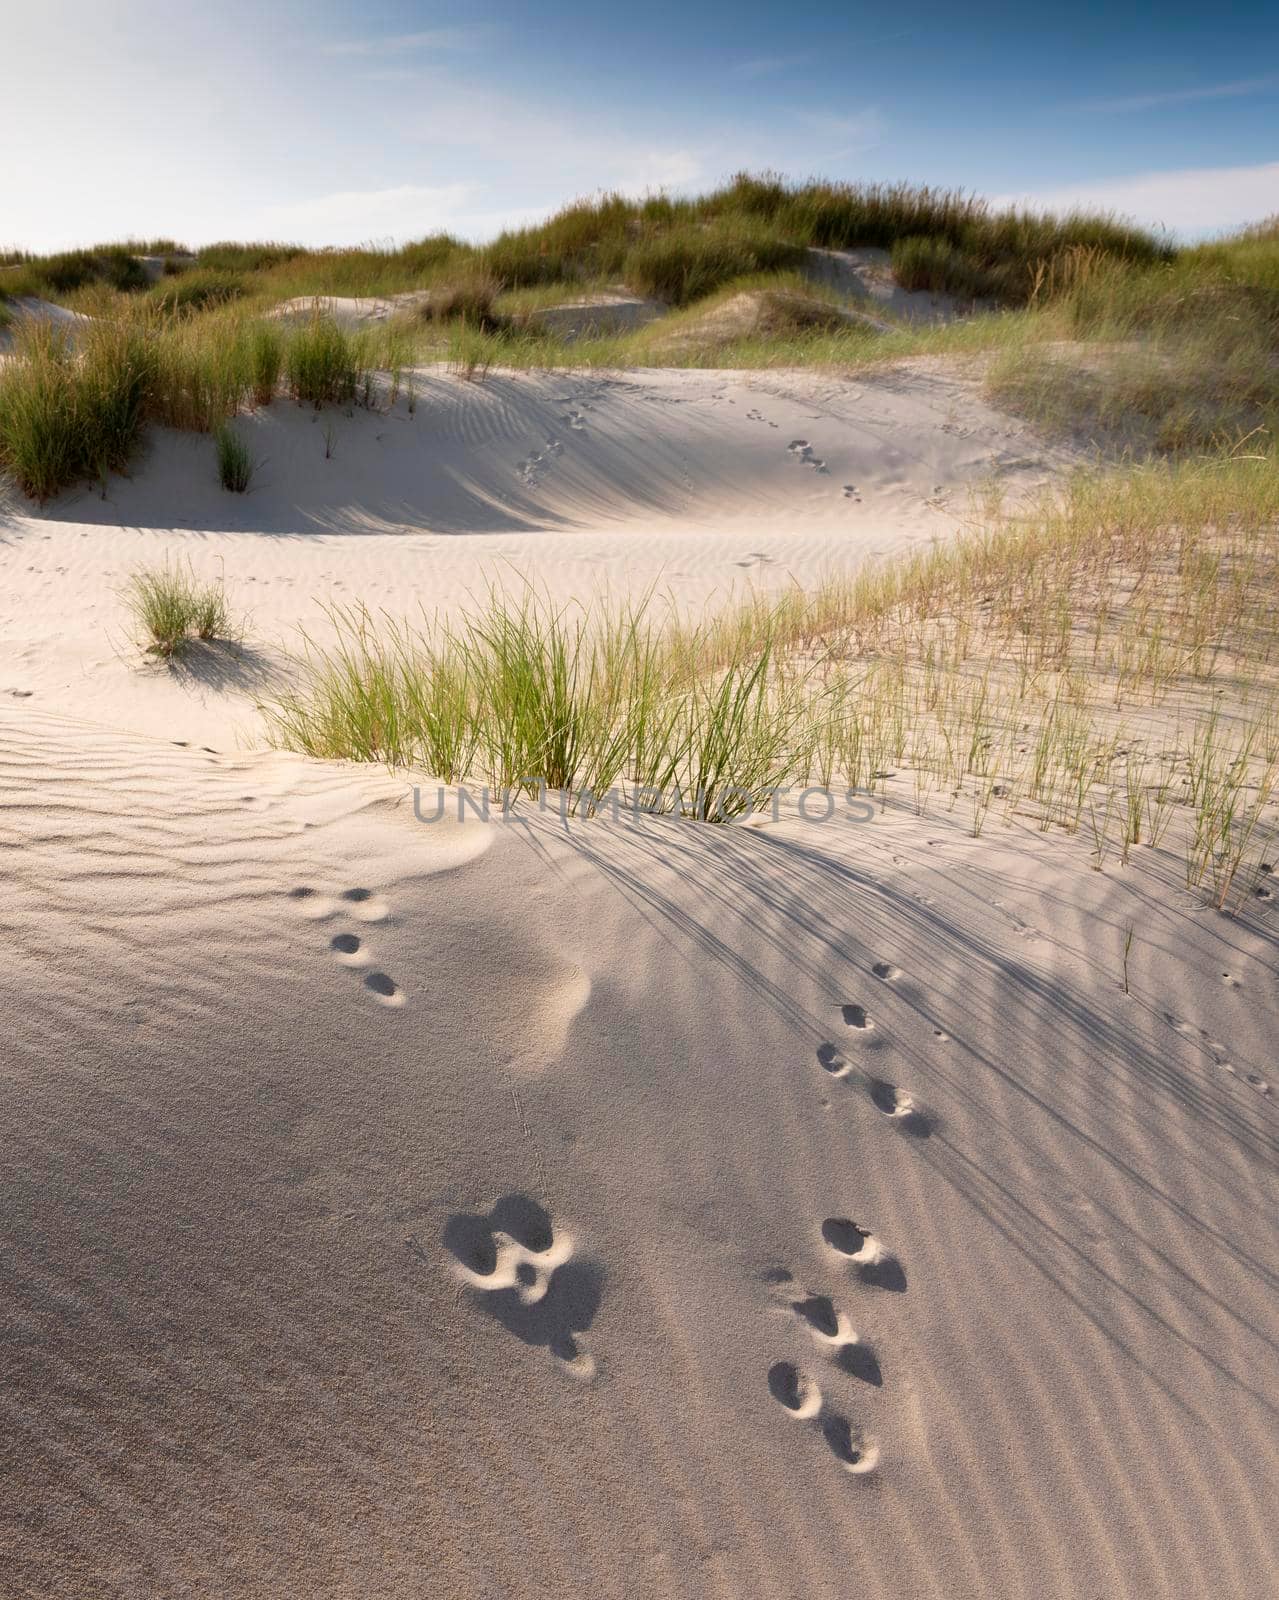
865	276
437	1210
698	483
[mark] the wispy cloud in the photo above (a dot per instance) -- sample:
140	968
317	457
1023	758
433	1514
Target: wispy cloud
1195	200
1175	97
465	38
842	134
405	211
763	66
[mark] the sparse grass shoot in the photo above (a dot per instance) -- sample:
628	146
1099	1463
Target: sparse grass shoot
235	460
170	607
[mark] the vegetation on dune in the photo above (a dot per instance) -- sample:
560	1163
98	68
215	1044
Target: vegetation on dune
322	365
70	412
1103	328
171	607
235	460
197	289
73	402
673	248
50	277
1069	667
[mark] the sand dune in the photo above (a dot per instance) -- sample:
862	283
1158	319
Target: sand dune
626	1208
711	482
631	1209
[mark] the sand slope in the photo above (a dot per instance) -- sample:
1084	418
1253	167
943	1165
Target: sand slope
697	484
437	1210
626	1209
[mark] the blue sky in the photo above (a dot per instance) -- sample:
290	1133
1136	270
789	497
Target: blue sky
337	123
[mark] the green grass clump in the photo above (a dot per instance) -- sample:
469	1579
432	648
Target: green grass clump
1102	663
686	264
266	361
171	607
925	261
470	299
50	277
231	257
526	694
322	363
69	412
196	289
235	463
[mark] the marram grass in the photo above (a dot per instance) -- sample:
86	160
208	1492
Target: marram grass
1104	664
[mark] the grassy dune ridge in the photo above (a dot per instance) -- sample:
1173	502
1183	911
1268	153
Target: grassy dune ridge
1103	327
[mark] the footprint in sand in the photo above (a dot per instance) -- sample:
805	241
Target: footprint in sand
348	948
794	1390
832	1061
1215	1049
803	453
900	1108
831	1328
384	989
873	1264
800	1396
886	971
526	1274
365	905
856	1017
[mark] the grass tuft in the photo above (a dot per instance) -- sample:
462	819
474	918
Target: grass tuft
235	463
196	290
171	607
322	363
72	412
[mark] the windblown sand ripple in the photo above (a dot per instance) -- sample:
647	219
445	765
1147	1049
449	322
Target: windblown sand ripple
715	1212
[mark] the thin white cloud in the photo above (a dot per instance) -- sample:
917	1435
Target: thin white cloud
762	66
1194	201
844	134
392	44
1177	97
405	211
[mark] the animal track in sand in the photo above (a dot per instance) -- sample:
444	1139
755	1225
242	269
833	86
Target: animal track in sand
525	1273
794	1389
1198	1036
846	1238
850	493
803	453
348	948
874	1265
855	1450
900	1108
385	989
831	1329
533	467
832	1061
801	1397
365	905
